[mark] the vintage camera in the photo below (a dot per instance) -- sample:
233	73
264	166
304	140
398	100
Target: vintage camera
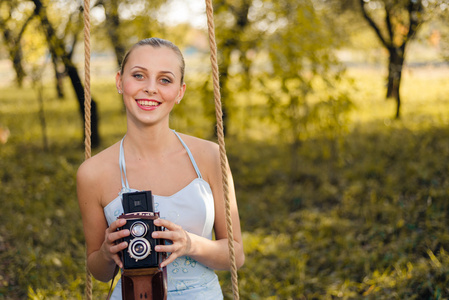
139	214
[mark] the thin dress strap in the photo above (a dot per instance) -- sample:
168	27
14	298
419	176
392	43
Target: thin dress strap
197	170
125	184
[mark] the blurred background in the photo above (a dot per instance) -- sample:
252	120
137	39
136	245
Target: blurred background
336	116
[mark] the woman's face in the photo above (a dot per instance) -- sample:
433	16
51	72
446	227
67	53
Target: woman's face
151	84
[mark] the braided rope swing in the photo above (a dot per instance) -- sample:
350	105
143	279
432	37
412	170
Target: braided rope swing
221	143
87	114
220	132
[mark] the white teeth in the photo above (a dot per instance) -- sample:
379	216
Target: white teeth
147	103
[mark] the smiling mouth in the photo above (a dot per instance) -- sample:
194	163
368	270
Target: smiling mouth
148	103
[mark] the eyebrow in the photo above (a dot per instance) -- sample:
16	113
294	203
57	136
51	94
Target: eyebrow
145	69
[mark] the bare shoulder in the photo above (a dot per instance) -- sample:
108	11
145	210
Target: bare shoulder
98	167
206	154
201	149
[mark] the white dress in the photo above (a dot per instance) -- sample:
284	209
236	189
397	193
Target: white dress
193	209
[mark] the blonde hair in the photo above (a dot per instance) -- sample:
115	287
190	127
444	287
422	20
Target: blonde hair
156	43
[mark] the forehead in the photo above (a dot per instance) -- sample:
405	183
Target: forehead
154	58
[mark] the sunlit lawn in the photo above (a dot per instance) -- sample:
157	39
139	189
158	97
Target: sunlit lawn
371	225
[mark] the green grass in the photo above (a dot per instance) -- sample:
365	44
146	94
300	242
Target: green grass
369	221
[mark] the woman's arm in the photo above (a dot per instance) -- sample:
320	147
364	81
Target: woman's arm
212	253
221	235
102	252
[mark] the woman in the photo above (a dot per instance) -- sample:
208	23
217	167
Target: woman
183	173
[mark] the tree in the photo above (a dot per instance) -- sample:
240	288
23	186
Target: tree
303	75
36	59
121	30
280	55
444	32
398	26
233	24
112	26
12	39
57	49
61	50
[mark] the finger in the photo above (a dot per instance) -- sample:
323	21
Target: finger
117	224
160	222
118	247
166	248
166	235
171	258
167	225
117	235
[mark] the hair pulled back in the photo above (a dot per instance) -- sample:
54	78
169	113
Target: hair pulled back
156	43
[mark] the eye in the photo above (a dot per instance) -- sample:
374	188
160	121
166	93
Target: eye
166	80
138	76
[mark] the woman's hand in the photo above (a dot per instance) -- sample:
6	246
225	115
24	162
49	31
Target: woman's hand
181	240
110	249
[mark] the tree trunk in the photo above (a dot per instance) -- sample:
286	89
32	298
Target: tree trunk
15	53
414	10
395	65
72	72
224	98
294	148
39	88
229	44
58	77
112	27
56	46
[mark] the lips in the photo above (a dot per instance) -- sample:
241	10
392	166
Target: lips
148	104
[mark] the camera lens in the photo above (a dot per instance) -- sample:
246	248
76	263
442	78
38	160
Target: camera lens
138	229
139	248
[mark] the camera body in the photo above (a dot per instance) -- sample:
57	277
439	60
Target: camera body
139	215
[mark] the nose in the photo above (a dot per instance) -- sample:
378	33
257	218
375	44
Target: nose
150	87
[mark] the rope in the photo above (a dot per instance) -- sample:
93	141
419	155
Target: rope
87	97
87	113
221	143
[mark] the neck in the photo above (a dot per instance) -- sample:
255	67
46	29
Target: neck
149	141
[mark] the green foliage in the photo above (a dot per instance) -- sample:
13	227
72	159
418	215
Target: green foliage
373	227
367	222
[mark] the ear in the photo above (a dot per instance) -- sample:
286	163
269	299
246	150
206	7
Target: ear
118	82
181	93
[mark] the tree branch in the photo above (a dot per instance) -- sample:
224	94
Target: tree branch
373	24
415	10
389	24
